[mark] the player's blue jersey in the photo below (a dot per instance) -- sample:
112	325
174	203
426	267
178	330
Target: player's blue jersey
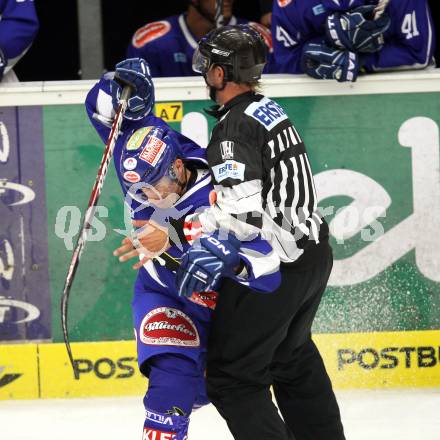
261	277
409	41
18	27
168	46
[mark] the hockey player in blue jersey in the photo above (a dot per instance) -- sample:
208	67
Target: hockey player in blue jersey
18	27
164	178
168	45
337	39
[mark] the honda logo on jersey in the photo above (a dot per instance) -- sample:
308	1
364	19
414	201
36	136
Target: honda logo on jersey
227	150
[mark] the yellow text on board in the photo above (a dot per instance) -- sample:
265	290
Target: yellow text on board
170	111
353	360
382	360
103	369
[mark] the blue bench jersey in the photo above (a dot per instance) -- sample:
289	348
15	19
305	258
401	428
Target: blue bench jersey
18	27
259	277
409	42
168	46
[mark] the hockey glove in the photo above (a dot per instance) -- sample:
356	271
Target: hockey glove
323	62
205	262
356	30
136	73
3	63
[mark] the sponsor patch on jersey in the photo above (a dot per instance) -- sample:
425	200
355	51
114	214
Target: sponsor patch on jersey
158	418
284	3
227	150
264	32
205	299
137	138
150	32
267	113
180	57
318	9
130	163
229	169
155	434
153	151
132	177
168	326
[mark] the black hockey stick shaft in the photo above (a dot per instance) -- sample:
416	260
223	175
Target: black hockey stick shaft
94	197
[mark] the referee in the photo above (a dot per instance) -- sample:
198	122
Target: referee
264	184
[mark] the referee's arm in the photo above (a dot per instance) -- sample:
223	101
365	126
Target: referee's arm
237	175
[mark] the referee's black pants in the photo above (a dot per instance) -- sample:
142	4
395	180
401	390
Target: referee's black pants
259	340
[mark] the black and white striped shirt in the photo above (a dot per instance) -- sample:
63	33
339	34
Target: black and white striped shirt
262	178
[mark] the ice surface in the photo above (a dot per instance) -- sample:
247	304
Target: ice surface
367	415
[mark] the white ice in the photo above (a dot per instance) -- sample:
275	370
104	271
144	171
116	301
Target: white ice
367	415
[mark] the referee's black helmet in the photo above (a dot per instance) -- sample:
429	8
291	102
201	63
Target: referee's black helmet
239	49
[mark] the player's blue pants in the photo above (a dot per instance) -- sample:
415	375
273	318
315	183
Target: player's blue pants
171	335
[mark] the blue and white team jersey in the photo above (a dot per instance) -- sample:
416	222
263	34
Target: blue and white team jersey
262	263
18	27
168	46
409	41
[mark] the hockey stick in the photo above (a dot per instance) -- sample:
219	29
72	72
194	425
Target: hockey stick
172	263
380	8
94	196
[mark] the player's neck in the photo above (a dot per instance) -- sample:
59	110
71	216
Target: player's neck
197	24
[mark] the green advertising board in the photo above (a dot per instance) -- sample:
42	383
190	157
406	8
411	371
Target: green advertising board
376	162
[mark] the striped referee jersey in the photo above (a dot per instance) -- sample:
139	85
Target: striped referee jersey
262	178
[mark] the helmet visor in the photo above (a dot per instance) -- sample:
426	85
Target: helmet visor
200	62
154	193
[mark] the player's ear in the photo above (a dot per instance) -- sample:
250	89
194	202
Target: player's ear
219	73
178	166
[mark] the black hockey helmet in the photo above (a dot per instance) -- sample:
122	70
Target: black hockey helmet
239	49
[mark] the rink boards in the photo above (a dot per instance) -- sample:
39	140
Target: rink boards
374	147
376	176
353	360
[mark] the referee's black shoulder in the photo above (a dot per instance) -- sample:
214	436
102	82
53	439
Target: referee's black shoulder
265	115
238	124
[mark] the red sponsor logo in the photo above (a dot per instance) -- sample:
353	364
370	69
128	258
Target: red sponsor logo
132	176
283	3
264	32
205	299
154	434
150	32
130	163
167	326
152	151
